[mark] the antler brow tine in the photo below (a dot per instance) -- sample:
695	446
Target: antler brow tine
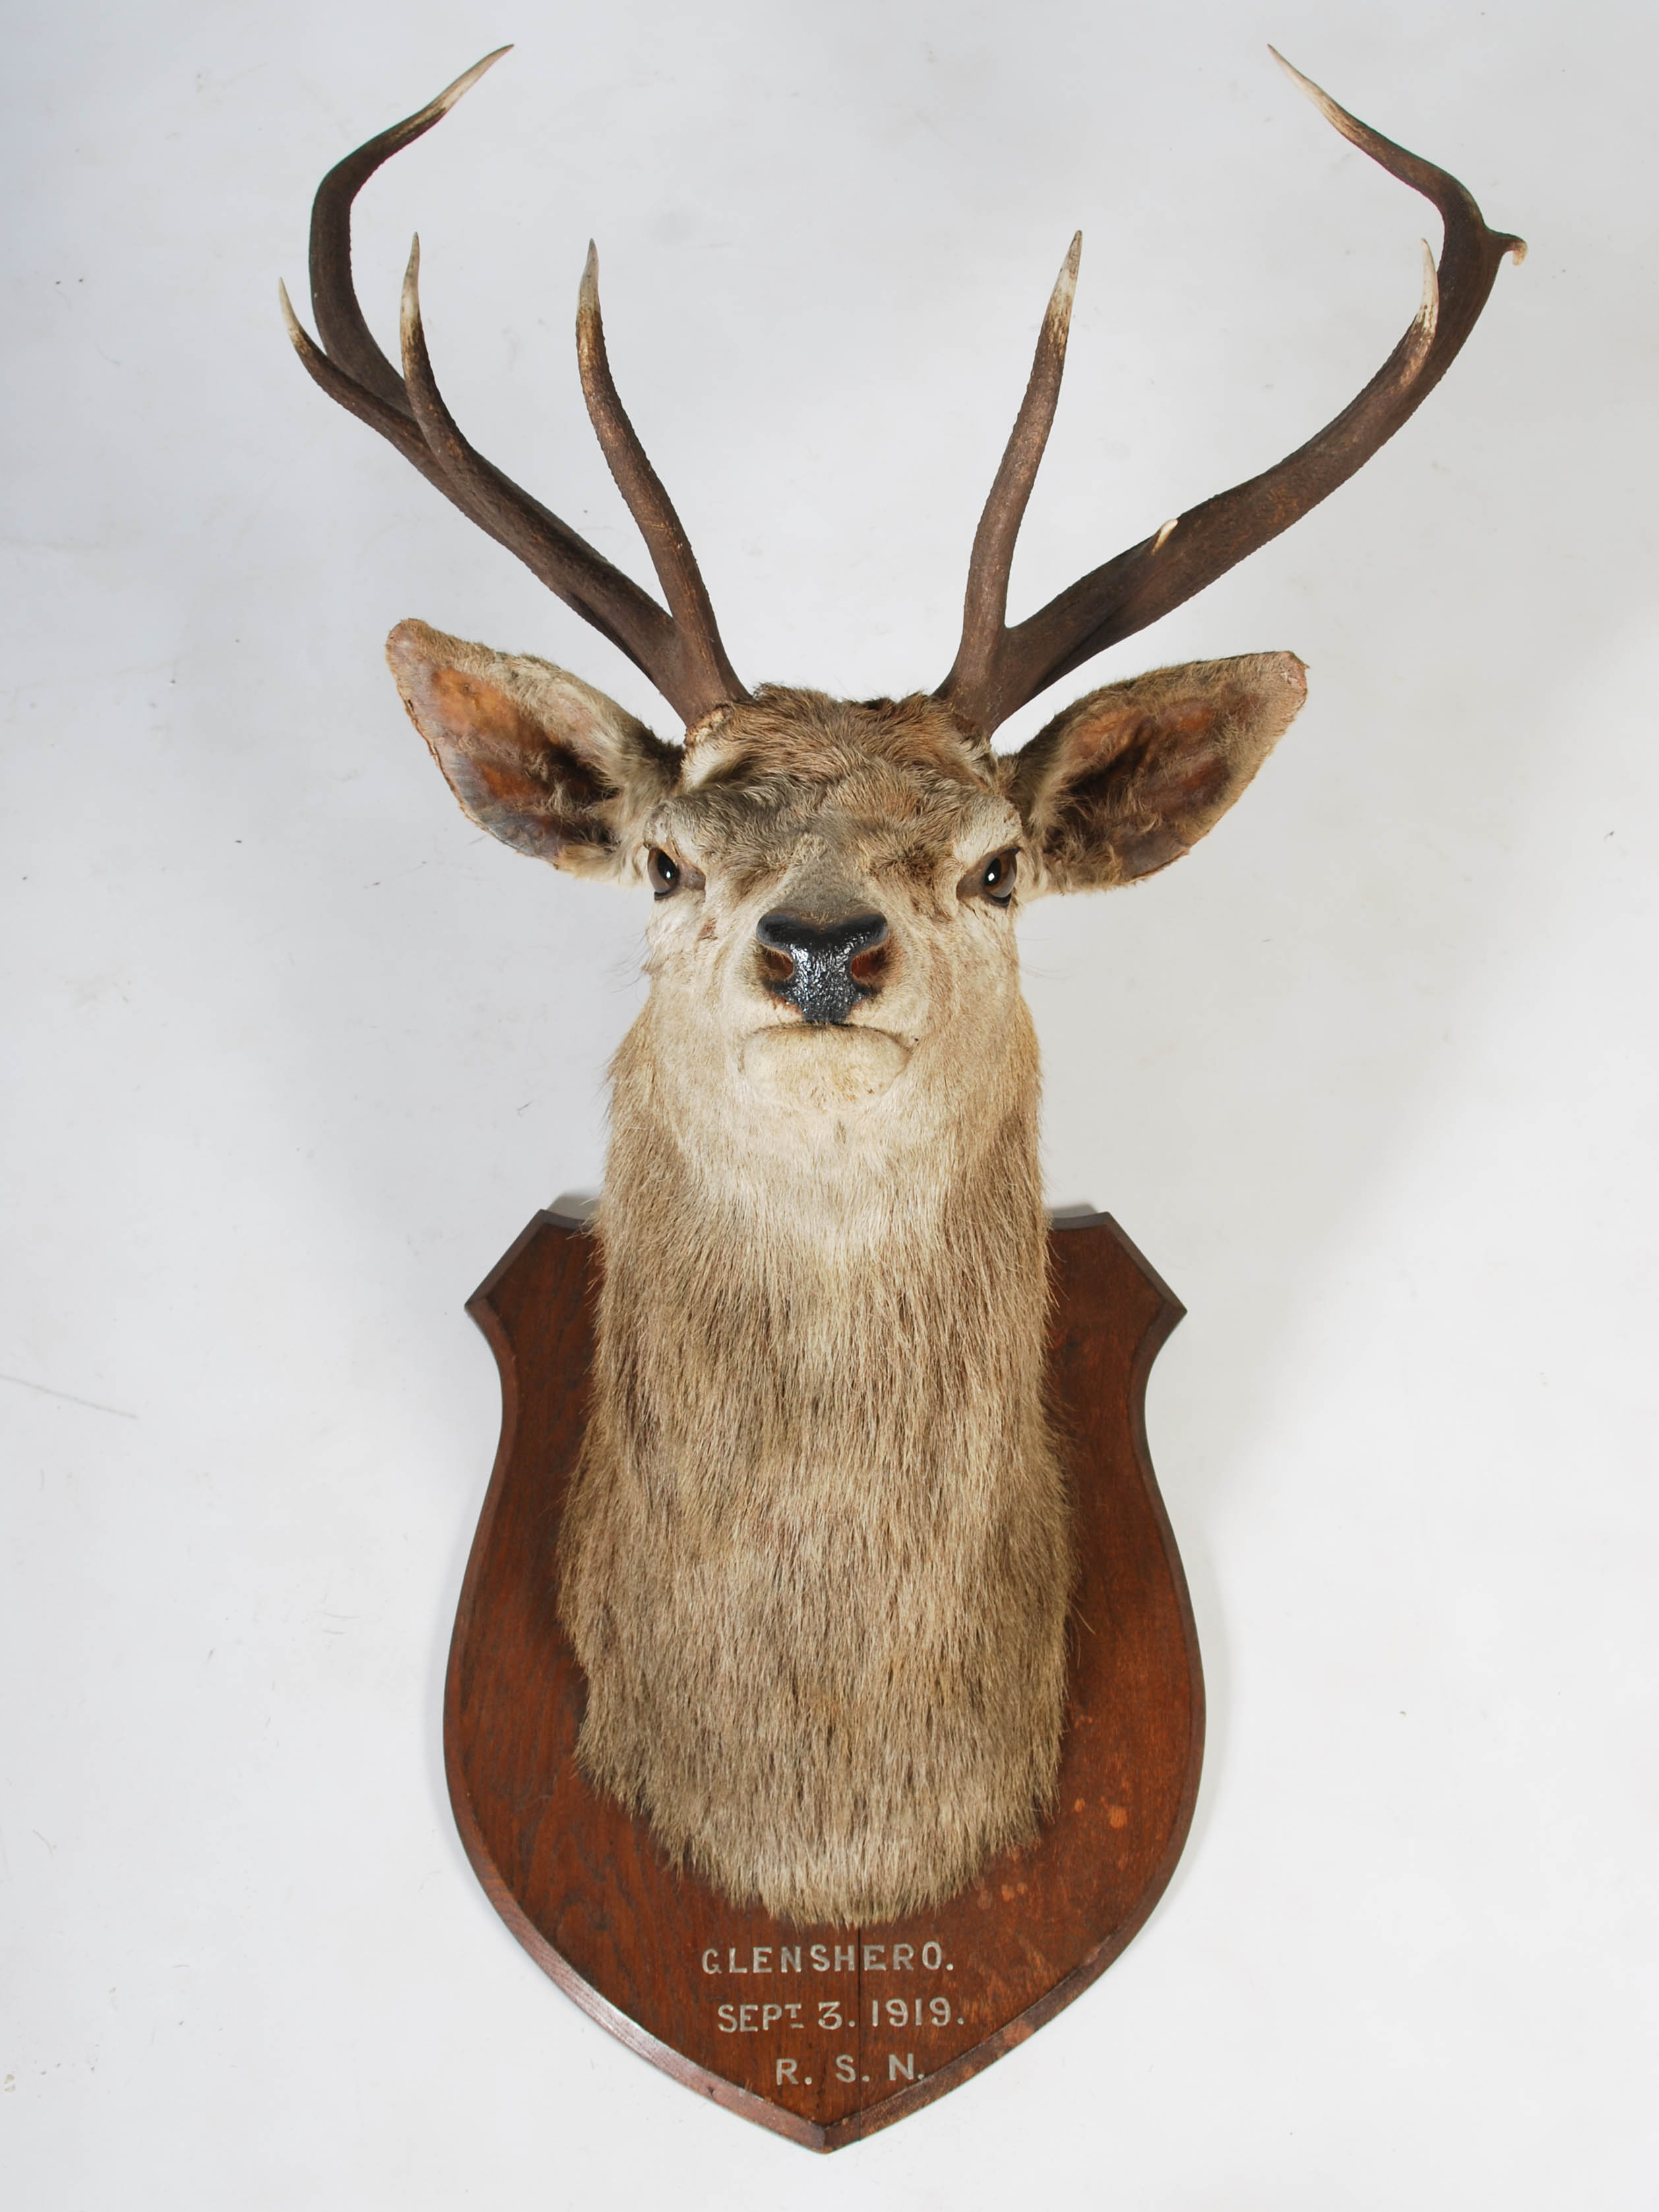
997	669
680	651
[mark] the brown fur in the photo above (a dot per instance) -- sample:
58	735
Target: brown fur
816	1563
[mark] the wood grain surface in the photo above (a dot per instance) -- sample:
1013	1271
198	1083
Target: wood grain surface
825	2034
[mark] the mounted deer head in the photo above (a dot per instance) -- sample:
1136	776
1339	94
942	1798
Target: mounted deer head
816	1564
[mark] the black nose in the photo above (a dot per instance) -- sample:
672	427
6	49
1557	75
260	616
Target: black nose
820	955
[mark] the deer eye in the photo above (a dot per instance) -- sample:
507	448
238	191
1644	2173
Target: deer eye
663	871
992	879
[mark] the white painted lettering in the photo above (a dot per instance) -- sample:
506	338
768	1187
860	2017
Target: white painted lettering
825	1959
786	2072
728	2020
770	2014
939	2009
793	2012
897	2066
898	2011
844	2070
829	2013
745	2024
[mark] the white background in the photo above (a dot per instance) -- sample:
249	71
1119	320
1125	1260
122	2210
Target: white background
294	1052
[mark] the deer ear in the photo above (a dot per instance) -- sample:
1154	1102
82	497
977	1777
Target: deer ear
1130	777
536	756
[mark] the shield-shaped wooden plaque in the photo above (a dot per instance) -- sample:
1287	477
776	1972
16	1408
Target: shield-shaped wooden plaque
825	2034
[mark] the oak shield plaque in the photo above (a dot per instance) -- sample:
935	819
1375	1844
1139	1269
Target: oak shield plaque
826	2034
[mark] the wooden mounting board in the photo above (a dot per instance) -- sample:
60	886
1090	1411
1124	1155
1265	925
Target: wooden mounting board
825	2034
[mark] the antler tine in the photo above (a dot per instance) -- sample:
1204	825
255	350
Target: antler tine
1147	582
684	660
986	605
647	501
340	324
550	548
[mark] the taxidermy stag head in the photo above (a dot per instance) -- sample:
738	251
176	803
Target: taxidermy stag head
816	1564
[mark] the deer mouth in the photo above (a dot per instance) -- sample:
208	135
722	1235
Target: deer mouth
829	1067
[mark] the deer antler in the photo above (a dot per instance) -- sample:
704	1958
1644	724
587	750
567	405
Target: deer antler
997	669
679	650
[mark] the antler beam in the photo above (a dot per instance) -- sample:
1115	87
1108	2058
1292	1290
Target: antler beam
679	650
997	670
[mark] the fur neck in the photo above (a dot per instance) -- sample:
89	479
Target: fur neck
816	1560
